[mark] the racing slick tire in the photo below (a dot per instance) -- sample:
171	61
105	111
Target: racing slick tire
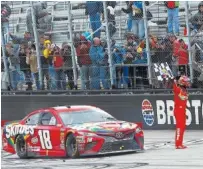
71	147
21	147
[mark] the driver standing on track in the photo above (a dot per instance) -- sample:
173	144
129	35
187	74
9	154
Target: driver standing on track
180	101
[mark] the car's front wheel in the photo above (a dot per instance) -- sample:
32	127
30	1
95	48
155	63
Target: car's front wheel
71	147
21	148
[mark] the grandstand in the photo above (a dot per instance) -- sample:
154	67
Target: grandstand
80	22
58	10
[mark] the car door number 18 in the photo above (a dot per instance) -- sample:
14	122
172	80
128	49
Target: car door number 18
45	140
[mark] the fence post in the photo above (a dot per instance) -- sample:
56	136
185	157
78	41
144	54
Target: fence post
36	44
108	42
4	56
71	41
189	40
147	42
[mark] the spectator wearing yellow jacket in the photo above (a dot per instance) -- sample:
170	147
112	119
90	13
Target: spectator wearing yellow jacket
47	49
46	60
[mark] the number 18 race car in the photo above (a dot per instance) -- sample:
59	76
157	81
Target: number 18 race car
70	131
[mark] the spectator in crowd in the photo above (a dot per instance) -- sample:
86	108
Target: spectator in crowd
173	19
98	67
183	57
58	63
106	70
175	48
140	70
162	51
94	9
136	9
5	14
197	19
22	40
24	67
4	75
84	61
129	22
46	58
68	64
129	56
43	18
117	58
14	64
31	60
111	17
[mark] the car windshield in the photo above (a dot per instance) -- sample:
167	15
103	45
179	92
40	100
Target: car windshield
86	116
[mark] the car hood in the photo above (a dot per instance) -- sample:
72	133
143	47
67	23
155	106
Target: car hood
105	127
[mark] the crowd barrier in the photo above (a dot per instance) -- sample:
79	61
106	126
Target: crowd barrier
154	111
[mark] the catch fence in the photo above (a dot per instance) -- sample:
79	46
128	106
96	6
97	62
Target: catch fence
100	45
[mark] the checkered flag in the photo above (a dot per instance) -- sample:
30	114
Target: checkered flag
162	71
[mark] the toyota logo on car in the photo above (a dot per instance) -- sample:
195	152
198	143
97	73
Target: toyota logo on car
119	135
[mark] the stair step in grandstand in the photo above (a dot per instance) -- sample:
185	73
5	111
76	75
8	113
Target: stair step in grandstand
58	10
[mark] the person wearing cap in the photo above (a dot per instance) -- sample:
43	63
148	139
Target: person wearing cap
46	60
84	61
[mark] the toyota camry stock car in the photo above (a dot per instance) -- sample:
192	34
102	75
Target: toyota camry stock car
70	131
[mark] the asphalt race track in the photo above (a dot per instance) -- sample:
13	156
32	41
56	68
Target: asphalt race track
159	154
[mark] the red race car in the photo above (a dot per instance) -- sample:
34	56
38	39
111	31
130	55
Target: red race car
70	131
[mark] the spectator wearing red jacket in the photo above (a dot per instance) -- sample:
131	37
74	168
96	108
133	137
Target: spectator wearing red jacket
84	61
183	57
180	56
58	66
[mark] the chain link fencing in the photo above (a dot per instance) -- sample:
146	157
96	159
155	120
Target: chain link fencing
99	45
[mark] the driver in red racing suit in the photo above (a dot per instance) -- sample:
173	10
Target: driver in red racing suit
180	101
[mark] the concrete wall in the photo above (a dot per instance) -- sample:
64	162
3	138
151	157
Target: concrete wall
156	113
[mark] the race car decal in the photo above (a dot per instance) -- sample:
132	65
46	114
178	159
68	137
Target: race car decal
45	139
19	129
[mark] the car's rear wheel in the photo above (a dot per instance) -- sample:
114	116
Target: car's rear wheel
72	147
21	148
